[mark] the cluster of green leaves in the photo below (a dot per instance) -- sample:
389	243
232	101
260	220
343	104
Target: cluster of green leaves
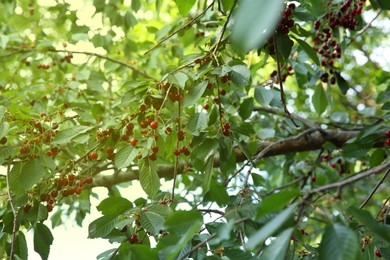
74	93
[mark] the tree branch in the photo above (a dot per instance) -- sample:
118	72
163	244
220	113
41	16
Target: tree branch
307	141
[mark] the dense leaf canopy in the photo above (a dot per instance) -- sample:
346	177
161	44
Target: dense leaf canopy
271	119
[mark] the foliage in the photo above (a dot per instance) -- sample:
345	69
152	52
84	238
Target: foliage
276	138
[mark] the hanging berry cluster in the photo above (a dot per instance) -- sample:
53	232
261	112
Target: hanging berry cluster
286	23
325	42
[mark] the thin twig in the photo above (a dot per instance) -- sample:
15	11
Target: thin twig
212	211
223	31
284	186
382	207
375	189
180	29
354	178
365	28
281	85
15	213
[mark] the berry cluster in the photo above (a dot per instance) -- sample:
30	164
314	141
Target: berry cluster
339	165
325	42
67	58
387	142
284	75
286	23
66	186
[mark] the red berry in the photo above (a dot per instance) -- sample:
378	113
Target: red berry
26	208
143	124
388	142
152	156
378	253
155	149
226	126
133	239
180	135
153	124
71	177
24	149
168	130
93	156
49	207
176	152
206	106
109	150
133	142
222	92
142	108
54	193
78	190
388	134
89	180
313	179
226	132
333	165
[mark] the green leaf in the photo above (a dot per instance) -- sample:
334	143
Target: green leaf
4	129
194	94
227	5
270	227
246	108
31	174
180	221
143	252
367	220
356	150
66	135
20	246
43	239
160	209
217	193
276	201
114	206
152	222
125	156
342	83
263	96
2	112
284	45
15	180
240	75
102	226
208	174
377	157
319	100
148	178
197	123
184	6
278	248
204	150
338	243
255	20
309	51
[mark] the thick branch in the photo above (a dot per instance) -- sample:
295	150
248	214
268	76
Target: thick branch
313	140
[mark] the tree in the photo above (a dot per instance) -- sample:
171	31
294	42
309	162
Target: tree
275	135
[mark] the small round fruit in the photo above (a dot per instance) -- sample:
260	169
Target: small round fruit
24	149
109	150
89	180
54	193
388	142
388	134
71	177
133	239
378	253
26	208
176	152
155	149
78	190
92	156
49	207
333	165
153	124
313	179
133	142
226	126
168	130
3	140
206	106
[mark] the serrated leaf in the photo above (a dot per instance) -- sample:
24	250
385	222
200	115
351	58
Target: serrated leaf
338	243
38	213
114	206
246	108
270	227
20	246
278	248
2	112
205	149
160	209
255	21
365	218
31	173
66	135
14	180
263	96
309	51
217	193
152	222
207	175
102	226
377	157
194	94
180	221
355	150
319	100
178	79
197	123
148	178
125	156
276	201
143	252
43	239
240	75
284	45
184	6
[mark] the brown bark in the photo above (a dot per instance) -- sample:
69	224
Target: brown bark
310	140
